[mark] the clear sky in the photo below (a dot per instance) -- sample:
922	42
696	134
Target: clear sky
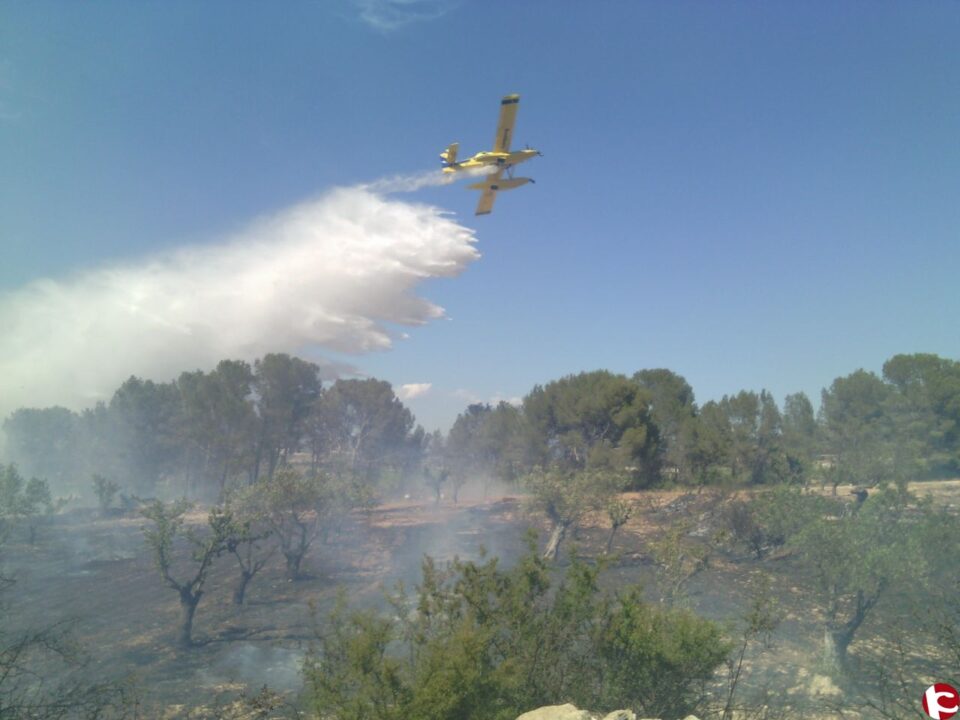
753	194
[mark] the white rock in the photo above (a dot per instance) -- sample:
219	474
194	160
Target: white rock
569	712
823	686
556	712
621	715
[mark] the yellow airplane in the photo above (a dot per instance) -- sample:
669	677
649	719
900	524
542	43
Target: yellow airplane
500	160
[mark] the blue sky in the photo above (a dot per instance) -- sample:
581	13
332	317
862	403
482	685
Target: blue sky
755	195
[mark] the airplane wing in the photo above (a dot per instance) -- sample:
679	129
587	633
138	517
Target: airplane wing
487	196
485	206
508	115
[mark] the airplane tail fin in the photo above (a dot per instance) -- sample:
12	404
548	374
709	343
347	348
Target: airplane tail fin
449	156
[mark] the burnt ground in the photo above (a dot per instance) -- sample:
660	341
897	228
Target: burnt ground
98	574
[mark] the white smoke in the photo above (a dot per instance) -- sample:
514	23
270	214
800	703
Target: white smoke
409	183
432	178
334	273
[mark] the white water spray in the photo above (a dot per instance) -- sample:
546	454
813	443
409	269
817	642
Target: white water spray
335	273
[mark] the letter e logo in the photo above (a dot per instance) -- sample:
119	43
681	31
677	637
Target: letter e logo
941	701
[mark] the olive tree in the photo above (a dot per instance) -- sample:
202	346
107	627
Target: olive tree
565	497
679	559
295	508
619	513
767	520
105	490
24	503
169	525
250	538
860	558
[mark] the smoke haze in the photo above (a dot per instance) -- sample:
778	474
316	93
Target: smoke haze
333	273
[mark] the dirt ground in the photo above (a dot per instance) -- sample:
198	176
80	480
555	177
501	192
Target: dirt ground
99	574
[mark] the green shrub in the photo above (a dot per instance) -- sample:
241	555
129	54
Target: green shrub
24	503
769	519
105	491
479	642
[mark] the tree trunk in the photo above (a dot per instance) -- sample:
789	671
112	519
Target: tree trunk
255	465
556	537
241	590
835	644
223	479
613	532
293	565
188	606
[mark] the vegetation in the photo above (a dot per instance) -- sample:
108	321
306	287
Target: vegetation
26	504
249	538
360	427
168	525
38	668
757	626
288	459
106	491
924	641
618	512
765	521
207	431
566	497
679	558
869	429
435	481
859	554
859	559
218	421
295	507
238	422
478	641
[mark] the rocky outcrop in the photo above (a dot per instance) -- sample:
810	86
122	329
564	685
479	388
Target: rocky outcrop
569	712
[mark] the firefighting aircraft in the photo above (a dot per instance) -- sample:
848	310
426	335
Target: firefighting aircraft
500	160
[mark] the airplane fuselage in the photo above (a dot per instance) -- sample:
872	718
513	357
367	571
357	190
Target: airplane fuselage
492	159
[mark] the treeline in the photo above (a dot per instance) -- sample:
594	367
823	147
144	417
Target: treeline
869	430
239	423
235	424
